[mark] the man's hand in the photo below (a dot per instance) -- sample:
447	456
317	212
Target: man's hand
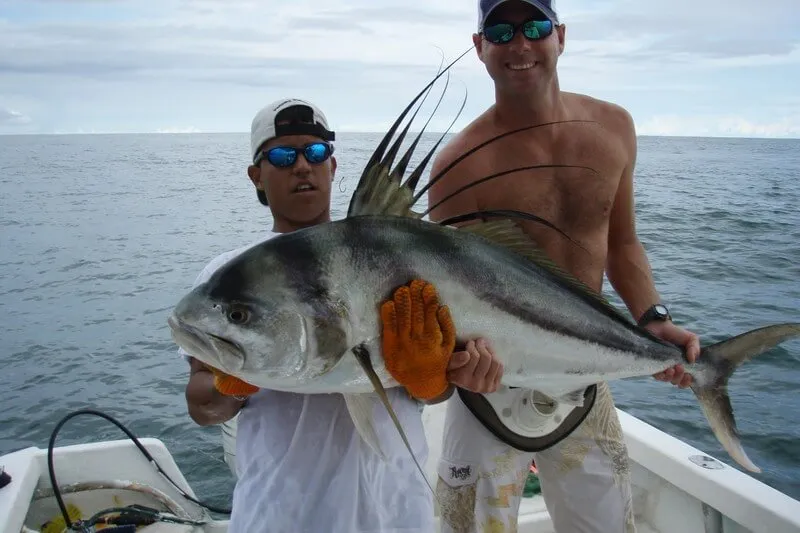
231	386
418	342
207	405
418	339
687	340
475	368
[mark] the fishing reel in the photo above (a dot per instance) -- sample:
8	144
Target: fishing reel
527	419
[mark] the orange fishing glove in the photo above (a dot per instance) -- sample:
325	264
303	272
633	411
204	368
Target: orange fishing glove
229	385
418	339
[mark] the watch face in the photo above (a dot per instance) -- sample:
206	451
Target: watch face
661	310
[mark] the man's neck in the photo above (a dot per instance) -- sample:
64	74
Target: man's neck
515	110
281	225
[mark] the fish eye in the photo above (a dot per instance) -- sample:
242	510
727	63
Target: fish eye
238	315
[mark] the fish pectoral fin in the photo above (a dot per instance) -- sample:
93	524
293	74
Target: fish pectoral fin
363	358
360	408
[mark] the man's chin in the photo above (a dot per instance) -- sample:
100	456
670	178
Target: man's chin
309	213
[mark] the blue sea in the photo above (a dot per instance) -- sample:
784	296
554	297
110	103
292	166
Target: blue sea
100	235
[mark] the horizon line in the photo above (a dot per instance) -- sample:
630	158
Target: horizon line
362	132
410	132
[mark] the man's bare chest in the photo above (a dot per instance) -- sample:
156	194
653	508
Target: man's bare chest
570	182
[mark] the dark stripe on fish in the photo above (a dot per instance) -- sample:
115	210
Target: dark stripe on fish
299	258
378	248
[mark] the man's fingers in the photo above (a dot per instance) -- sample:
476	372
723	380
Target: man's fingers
429	295
458	360
389	318
675	374
232	386
693	349
447	327
417	308
431	302
484	360
402	305
469	368
494	375
482	372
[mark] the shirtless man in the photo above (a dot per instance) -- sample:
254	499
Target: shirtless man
585	478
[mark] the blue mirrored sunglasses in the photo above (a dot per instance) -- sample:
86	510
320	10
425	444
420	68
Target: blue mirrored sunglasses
286	156
504	32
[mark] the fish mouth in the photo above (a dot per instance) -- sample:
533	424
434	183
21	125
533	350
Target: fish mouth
227	344
207	347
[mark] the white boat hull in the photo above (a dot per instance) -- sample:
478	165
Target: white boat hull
674	491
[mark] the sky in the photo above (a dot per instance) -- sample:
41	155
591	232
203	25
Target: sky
685	67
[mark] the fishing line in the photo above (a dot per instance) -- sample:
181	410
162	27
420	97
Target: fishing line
51	469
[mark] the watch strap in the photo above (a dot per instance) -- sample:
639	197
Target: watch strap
654	312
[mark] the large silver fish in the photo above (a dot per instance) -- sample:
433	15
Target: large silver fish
300	312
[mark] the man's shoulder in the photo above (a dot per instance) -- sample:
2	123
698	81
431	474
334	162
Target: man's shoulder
590	108
615	122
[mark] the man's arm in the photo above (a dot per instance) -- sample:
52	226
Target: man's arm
207	406
627	267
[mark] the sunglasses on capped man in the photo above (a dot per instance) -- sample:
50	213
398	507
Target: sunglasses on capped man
286	156
504	32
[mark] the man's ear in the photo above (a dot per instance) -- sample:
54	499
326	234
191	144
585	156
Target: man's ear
333	167
254	173
477	41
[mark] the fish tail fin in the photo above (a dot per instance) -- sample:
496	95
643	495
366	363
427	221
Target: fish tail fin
711	384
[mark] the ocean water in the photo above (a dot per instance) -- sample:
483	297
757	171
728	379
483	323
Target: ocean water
100	235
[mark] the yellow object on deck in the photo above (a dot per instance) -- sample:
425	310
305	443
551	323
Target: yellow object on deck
57	524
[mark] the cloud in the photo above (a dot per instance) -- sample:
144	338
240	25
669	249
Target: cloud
209	40
719	126
125	65
12	117
688	30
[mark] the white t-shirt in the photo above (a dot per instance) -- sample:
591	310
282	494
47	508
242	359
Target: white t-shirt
302	466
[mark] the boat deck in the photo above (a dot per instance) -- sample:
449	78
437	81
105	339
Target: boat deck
676	488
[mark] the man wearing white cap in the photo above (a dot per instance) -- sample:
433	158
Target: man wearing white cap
584	477
300	462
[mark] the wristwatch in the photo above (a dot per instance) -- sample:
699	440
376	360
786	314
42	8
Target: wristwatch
655	312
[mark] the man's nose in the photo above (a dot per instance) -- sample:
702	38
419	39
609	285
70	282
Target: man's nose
519	43
301	166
